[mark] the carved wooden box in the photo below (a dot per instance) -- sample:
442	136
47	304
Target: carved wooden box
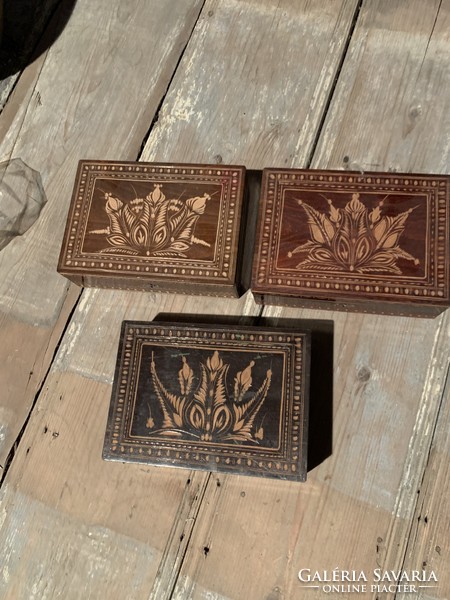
216	398
163	227
373	242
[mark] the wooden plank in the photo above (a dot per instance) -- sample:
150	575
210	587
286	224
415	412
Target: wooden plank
108	513
389	111
93	94
429	537
72	482
253	87
92	529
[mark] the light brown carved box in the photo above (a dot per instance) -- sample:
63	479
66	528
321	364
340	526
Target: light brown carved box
148	226
217	398
373	242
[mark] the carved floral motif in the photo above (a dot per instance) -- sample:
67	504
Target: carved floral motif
353	239
206	412
152	226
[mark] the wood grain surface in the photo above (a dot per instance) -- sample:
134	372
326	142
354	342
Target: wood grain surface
359	504
70	105
347	85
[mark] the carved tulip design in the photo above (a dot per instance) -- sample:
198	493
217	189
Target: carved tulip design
353	239
152	226
208	413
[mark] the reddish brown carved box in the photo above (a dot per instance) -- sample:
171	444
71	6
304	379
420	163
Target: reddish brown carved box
164	227
230	399
373	242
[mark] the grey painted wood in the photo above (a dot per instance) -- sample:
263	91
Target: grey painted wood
93	94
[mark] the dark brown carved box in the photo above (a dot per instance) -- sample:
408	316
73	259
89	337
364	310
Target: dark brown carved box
148	226
372	242
227	399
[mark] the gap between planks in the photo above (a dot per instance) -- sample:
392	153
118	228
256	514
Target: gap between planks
169	83
164	589
14	79
15	446
331	93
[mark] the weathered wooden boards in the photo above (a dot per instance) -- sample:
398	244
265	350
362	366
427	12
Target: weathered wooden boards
64	473
389	111
431	521
127	531
93	94
254	84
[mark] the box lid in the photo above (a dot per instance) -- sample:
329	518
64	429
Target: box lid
230	399
174	223
336	234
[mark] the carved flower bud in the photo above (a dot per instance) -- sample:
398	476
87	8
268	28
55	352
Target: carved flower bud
185	377
245	376
113	204
355	206
215	362
156	196
197	204
334	212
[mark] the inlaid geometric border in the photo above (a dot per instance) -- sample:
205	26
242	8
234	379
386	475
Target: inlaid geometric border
268	277
286	462
222	268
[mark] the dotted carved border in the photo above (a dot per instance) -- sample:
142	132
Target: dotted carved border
435	287
284	463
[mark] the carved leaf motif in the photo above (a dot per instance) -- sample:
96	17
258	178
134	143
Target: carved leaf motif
121	250
375	214
117	240
215	362
128	219
114	217
309	245
177	218
197	417
246	413
243	381
362	249
316	223
139	235
170	404
195	240
355	207
219	397
406	255
353	239
221	419
179	246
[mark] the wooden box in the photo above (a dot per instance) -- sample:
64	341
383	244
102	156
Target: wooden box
218	398
372	242
163	227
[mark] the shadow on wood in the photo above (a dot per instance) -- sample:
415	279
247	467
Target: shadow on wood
320	426
24	22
